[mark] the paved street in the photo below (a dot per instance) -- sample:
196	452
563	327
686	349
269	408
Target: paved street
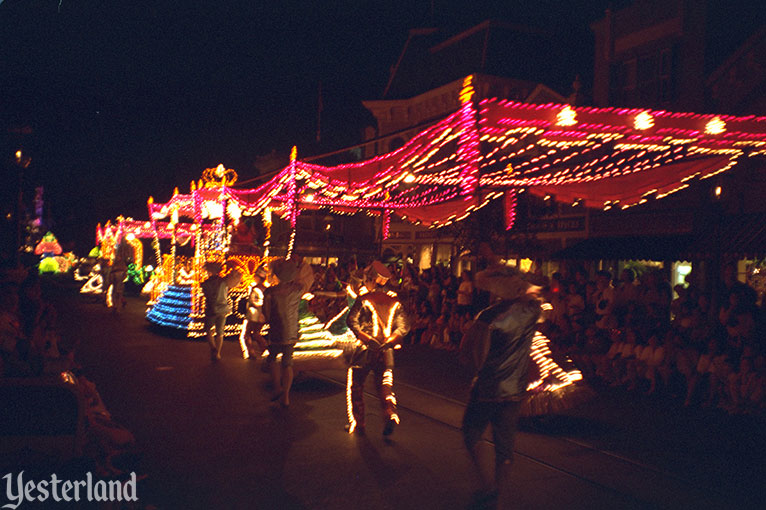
210	438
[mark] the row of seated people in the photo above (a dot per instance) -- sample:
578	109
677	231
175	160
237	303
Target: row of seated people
714	356
34	353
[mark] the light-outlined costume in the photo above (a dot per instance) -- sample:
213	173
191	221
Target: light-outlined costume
379	322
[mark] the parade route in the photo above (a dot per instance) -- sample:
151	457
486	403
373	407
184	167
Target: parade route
210	438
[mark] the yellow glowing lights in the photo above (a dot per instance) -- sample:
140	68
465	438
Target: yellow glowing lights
717	191
217	177
294	153
643	120
566	117
409	178
377	321
467	92
715	126
349	405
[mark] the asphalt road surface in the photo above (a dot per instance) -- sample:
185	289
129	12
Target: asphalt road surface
209	437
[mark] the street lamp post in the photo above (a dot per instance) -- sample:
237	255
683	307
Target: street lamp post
328	219
22	162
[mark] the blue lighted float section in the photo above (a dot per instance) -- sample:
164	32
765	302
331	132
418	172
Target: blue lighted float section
173	308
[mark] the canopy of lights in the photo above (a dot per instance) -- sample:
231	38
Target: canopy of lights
601	157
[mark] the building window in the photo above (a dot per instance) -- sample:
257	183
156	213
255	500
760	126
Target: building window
647	77
646	80
666	76
625	86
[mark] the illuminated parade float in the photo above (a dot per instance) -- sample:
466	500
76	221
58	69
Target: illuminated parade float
487	150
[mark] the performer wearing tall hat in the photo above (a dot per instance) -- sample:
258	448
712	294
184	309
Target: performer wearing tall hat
379	322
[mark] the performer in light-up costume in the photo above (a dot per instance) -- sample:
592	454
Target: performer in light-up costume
379	322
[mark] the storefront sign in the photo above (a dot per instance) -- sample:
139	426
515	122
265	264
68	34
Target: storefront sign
399	234
567	224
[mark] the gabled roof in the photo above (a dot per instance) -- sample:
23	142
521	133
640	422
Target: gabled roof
430	58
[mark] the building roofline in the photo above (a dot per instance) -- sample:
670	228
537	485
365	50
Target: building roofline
412	33
484	25
738	53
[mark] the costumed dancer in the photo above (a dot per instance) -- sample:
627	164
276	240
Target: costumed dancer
498	345
117	275
215	289
517	372
280	309
254	342
379	322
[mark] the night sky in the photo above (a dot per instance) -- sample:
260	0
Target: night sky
130	99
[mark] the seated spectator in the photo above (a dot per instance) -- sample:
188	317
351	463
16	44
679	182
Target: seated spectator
595	345
421	322
606	363
679	362
745	387
437	334
625	365
649	360
712	369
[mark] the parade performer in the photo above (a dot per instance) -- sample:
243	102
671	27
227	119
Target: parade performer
280	309
215	289
254	342
379	322
498	347
117	274
517	373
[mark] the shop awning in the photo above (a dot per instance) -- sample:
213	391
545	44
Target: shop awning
627	248
740	236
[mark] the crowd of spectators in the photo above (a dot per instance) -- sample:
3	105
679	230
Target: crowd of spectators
703	348
32	348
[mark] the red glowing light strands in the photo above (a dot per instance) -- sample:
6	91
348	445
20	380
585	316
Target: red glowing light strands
468	143
485	150
292	204
386	229
510	208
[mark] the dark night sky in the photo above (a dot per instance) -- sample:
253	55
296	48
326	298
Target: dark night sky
130	99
